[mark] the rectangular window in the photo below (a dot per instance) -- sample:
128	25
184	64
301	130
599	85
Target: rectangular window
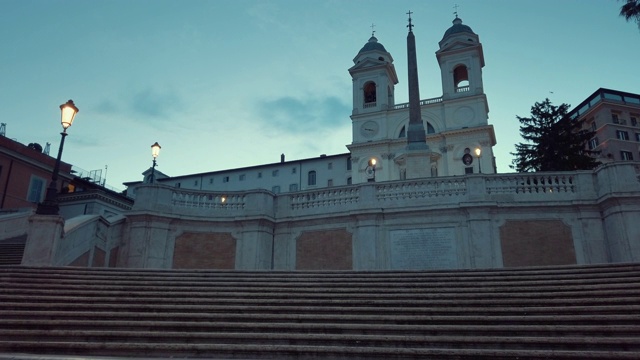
593	143
330	166
225	179
349	181
294	170
260	175
634	121
274	173
178	185
311	178
330	182
622	135
594	126
195	183
615	119
349	163
36	190
242	177
637	136
626	155
275	189
211	181
468	170
293	187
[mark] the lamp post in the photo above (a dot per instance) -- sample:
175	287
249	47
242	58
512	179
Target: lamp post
478	154
372	166
155	151
50	204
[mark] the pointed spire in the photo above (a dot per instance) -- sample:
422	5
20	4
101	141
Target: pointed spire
416	133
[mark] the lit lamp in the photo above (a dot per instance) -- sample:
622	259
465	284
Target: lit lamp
372	167
478	153
50	204
155	151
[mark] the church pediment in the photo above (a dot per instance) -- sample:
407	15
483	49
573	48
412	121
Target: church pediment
367	64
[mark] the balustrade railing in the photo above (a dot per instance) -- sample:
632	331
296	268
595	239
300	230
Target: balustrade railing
422	102
531	184
421	189
324	198
186	199
463	89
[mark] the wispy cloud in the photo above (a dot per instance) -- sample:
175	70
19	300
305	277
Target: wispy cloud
294	115
146	103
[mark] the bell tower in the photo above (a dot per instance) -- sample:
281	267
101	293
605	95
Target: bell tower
374	78
461	61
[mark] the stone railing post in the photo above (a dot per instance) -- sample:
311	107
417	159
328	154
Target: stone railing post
43	239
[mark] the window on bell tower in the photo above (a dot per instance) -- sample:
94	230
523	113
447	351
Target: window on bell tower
369	93
461	78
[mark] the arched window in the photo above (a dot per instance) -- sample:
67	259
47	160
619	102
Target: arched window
461	78
369	92
430	129
311	178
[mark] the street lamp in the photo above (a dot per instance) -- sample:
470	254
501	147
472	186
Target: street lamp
372	168
50	204
155	151
478	153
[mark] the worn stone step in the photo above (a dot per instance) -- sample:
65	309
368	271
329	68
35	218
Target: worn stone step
281	338
622	319
432	329
550	272
285	352
285	307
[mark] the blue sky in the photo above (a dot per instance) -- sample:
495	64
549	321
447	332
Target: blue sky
232	83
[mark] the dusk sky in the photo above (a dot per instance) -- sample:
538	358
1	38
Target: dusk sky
232	83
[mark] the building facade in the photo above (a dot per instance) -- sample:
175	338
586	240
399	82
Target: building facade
615	118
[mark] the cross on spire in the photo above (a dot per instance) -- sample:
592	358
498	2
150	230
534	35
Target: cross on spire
372	31
456	10
410	26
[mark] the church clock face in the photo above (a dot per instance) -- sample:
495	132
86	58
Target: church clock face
369	129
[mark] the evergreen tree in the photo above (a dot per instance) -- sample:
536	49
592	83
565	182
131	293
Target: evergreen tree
553	141
631	10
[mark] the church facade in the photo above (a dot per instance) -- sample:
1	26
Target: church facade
458	137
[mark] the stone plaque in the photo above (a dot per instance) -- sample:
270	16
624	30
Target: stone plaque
422	249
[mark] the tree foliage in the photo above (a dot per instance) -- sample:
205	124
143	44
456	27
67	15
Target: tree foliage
553	142
631	11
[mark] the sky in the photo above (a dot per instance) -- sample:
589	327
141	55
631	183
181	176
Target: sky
223	84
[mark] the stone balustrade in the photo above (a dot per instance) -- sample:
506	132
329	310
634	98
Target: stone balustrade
498	188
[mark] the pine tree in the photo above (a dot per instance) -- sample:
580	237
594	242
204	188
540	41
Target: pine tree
553	141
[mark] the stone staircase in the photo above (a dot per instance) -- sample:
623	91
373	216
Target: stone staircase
571	312
11	250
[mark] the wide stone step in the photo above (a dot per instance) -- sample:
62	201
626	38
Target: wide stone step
285	352
426	329
409	308
625	319
344	340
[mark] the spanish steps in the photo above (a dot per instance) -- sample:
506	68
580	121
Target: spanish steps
563	312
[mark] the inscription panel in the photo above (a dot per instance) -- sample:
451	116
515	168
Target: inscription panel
423	249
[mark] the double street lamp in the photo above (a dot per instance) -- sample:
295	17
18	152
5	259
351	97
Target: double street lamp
50	204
